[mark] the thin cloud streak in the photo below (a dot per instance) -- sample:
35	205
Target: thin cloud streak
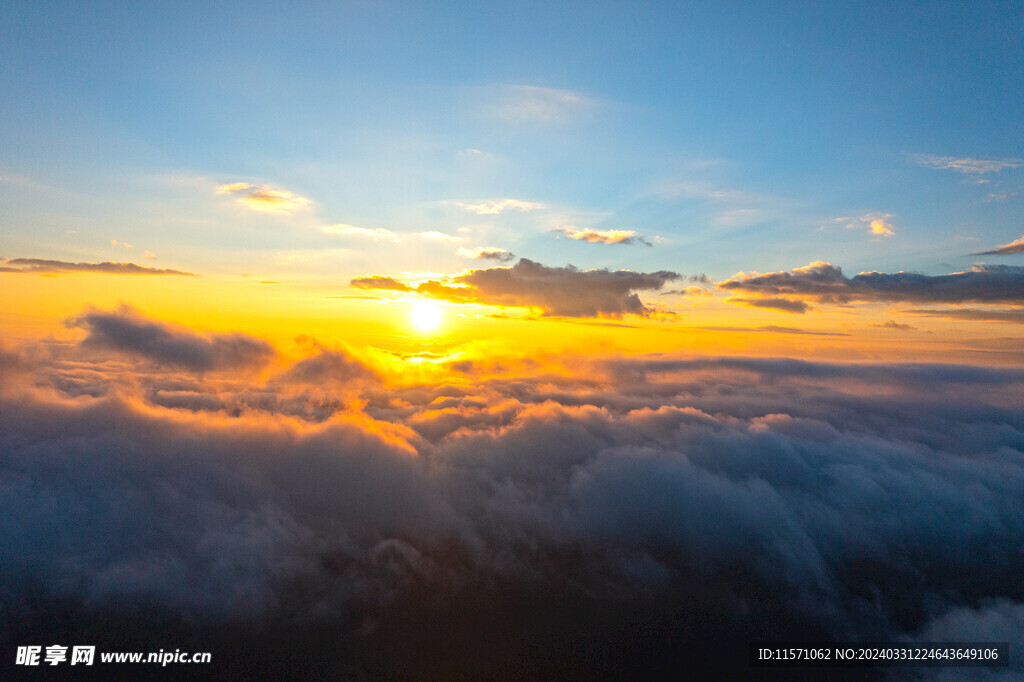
966	165
40	265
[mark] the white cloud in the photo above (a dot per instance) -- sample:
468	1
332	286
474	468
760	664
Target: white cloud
496	206
265	199
376	233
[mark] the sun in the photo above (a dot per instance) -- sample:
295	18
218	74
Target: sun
426	316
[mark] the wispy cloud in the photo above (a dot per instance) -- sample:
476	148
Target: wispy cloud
125	245
265	199
966	165
488	253
55	266
1016	246
376	233
602	236
438	236
496	206
532	104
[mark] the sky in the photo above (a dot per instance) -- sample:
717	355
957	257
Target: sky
333	306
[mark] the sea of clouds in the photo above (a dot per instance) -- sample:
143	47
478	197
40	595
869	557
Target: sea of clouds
602	517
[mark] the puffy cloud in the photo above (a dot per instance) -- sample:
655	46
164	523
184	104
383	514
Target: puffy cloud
603	236
265	199
966	165
496	206
1016	246
375	233
567	290
488	253
128	332
625	519
825	282
56	266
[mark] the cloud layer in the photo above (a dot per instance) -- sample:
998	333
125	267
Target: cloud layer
626	517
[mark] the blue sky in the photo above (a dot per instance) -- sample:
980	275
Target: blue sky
731	136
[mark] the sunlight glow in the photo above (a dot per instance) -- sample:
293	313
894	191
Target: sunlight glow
426	316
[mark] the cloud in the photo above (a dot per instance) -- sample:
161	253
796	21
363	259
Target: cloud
127	331
1013	315
149	254
603	236
628	518
564	291
488	253
496	206
114	242
892	324
1016	246
532	104
775	329
826	283
57	266
379	282
783	304
966	165
377	233
438	236
265	199
1002	196
877	223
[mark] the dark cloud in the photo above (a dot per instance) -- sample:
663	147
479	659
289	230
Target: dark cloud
55	266
566	291
1016	246
826	283
631	518
128	332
